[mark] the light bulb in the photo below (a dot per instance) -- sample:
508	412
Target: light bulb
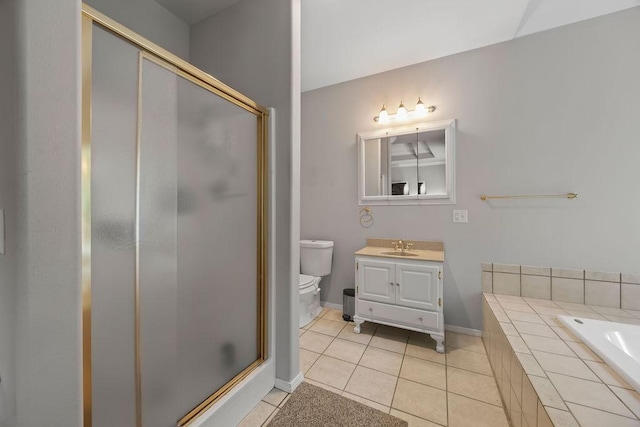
402	112
421	110
383	117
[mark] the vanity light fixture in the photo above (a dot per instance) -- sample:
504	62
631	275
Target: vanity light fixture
403	113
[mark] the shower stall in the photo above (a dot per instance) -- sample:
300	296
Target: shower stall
174	189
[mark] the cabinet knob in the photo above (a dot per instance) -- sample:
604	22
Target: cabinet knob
370	309
397	284
391	283
420	319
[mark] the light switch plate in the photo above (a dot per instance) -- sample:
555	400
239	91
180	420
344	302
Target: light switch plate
1	231
460	216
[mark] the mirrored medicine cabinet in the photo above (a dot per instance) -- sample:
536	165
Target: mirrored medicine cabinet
409	165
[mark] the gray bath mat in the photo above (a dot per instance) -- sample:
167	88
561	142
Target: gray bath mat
312	406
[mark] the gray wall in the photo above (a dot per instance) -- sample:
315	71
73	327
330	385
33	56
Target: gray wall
549	113
150	20
249	47
48	357
8	201
41	187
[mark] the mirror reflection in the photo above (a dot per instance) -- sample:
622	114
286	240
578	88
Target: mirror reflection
406	165
410	163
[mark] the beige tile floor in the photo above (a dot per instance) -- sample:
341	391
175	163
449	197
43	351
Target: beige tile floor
396	371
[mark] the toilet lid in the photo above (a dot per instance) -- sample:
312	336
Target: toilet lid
305	280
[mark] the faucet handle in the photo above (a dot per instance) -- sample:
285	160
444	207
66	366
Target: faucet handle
408	246
396	245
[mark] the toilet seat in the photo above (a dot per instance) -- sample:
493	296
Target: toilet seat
305	281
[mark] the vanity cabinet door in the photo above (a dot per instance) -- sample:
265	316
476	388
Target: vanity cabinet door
376	281
417	286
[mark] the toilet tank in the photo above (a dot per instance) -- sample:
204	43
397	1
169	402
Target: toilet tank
315	257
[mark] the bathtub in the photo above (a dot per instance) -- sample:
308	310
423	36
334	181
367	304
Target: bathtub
618	344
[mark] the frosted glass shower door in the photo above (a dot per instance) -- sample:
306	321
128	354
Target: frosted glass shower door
198	272
174	247
113	220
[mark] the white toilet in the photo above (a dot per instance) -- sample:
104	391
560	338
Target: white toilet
315	262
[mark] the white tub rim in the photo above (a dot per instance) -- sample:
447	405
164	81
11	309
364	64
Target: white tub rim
592	333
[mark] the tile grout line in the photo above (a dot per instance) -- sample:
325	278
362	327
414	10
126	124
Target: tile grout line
600	381
326	355
321	354
523	373
520	281
446	384
420	418
635	417
358	364
470	351
278	405
554	387
457	394
609	386
404	358
396	376
621	291
519	363
548	379
404	355
596	409
469	370
501	406
264	423
351	376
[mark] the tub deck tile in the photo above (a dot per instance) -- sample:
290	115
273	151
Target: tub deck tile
526	332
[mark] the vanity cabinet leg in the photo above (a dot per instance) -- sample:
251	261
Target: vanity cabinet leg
358	322
439	342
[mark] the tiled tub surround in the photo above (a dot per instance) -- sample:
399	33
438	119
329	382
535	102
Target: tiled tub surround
612	290
545	375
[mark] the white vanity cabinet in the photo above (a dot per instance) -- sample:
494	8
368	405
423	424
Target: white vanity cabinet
402	293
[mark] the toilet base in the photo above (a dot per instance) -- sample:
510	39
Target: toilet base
309	304
304	321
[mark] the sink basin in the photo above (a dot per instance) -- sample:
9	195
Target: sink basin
399	253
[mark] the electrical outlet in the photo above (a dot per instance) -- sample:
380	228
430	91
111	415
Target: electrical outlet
460	216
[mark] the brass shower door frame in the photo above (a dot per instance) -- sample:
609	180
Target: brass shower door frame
152	52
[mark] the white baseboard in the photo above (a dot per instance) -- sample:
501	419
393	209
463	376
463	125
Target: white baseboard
461	330
331	305
289	386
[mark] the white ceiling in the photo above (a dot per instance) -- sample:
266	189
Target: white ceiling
343	40
192	11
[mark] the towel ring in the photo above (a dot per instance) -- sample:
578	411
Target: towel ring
366	217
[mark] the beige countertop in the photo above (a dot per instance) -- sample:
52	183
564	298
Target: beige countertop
421	250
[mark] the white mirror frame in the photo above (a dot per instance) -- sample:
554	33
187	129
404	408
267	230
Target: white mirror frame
449	198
